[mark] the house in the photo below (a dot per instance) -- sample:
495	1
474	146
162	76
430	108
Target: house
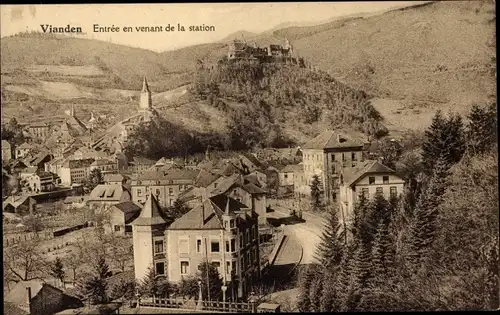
369	178
17	166
21	205
327	154
6	151
39	298
220	230
27	173
42	181
250	163
105	166
116	178
89	153
39	160
75	171
244	191
22	150
165	184
122	214
108	195
39	130
287	174
139	164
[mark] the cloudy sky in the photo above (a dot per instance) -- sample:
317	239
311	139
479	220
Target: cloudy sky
226	17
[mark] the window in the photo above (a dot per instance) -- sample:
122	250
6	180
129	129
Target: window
231	223
353	156
380	190
343	157
117	228
233	245
139	192
228	267
247	234
394	191
215	185
286	175
371	180
241	240
158	247
157	192
160	268
183	246
216	264
171	202
235	265
333	157
385	179
214	246
170	191
228	249
184	267
198	245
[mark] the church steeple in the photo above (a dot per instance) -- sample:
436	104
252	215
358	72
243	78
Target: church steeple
146	102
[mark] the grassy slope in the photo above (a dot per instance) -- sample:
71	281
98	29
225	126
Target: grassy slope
394	56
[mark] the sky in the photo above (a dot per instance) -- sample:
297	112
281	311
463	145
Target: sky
227	18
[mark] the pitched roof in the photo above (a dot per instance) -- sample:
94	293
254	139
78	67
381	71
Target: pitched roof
127	207
231	169
108	192
334	139
292	168
237	179
24	145
18	294
78	163
10	308
170	174
205	178
207	215
110	177
31	169
253	159
151	213
352	175
100	162
142	161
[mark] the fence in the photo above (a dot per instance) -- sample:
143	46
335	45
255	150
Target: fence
10	240
218	306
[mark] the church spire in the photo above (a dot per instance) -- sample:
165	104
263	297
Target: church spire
145	87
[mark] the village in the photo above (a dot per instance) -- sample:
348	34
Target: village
246	215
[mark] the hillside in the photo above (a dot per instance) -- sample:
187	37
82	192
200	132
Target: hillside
411	61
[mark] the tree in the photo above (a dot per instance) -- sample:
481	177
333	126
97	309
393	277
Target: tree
73	262
188	287
124	290
121	251
444	139
33	224
316	192
383	251
482	132
306	280
153	285
330	250
24	260
424	225
57	270
211	282
95	178
94	285
177	210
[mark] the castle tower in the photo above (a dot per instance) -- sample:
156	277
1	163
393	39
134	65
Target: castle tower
148	230
146	102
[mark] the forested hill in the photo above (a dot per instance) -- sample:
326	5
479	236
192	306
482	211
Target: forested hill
283	100
254	105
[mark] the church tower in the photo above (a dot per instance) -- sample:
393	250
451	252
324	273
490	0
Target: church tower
146	102
148	239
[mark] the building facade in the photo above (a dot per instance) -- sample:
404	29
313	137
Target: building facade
327	155
75	171
369	178
166	185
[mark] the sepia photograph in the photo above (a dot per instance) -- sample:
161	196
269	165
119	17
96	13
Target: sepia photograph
273	157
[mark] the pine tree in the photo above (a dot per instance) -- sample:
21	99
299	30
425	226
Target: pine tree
378	211
315	292
423	226
443	139
304	301
95	178
383	253
57	270
153	285
330	250
94	287
329	299
316	192
359	213
482	132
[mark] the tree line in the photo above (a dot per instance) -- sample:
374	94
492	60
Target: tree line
433	248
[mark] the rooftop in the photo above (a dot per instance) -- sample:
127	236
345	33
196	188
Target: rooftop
170	174
128	207
205	178
334	139
5	144
18	295
78	163
108	192
292	168
151	213
352	175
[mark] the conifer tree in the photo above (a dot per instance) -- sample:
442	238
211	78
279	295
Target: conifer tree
329	299
482	132
95	286
383	254
359	213
330	250
443	139
378	211
423	226
57	270
315	192
316	290
211	282
304	300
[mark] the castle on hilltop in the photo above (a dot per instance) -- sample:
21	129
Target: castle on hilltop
240	50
